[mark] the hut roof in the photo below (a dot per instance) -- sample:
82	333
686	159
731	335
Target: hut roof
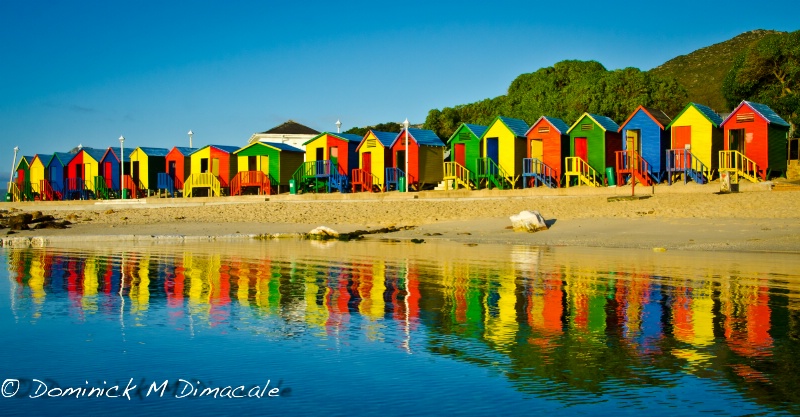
185	151
349	137
763	110
423	137
557	123
706	111
476	130
290	127
517	126
63	158
385	138
657	116
605	122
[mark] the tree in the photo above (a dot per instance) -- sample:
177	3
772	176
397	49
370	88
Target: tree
381	127
768	72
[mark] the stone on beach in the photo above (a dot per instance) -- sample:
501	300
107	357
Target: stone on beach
323	232
528	221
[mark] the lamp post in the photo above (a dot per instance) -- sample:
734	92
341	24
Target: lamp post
338	126
122	167
190	138
405	126
13	165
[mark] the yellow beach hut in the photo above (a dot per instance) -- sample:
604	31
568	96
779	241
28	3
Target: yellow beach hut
145	165
696	141
374	158
504	146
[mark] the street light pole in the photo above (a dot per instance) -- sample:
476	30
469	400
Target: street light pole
121	167
405	125
190	138
13	165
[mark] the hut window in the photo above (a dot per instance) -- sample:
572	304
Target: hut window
745	117
587	126
545	129
370	143
463	136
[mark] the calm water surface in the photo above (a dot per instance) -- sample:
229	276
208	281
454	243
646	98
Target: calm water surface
381	328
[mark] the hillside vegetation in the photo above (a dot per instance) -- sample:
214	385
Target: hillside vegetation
703	71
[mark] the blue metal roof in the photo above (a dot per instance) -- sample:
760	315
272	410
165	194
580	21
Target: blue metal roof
282	146
516	126
476	130
605	122
765	112
226	148
62	157
557	123
96	154
154	151
421	136
116	151
708	113
184	150
385	138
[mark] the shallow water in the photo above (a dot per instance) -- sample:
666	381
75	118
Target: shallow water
368	328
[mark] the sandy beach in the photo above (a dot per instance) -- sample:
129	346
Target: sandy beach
681	217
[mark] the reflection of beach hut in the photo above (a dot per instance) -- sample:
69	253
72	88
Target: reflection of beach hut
212	168
330	158
644	141
425	157
465	150
594	141
548	145
503	145
145	165
756	141
375	162
82	170
696	141
52	187
178	164
264	166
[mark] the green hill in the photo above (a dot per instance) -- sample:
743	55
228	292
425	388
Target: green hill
701	72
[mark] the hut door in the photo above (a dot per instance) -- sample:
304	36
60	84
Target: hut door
460	154
172	169
135	169
79	171
203	165
320	154
108	174
736	140
633	141
582	149
334	153
537	150
492	149
681	136
215	167
265	164
366	162
400	160
252	163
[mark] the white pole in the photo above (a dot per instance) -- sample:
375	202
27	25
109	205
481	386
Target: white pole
121	166
190	138
405	124
338	126
13	165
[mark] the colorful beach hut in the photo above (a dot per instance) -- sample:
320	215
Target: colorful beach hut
594	141
504	147
21	188
212	168
106	184
81	172
376	170
265	166
548	145
756	142
145	165
465	150
178	167
645	140
425	157
52	187
36	174
330	158
696	136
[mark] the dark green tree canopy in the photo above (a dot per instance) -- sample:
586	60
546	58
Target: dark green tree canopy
567	90
381	127
769	73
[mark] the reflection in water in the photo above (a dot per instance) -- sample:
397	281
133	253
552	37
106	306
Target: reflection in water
558	323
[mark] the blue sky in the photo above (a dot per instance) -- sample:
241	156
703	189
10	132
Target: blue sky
85	72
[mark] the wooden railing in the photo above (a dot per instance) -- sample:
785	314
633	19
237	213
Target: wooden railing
492	173
367	181
49	191
392	177
204	180
458	174
250	179
537	172
75	189
736	163
135	187
681	161
102	190
13	190
576	167
631	163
